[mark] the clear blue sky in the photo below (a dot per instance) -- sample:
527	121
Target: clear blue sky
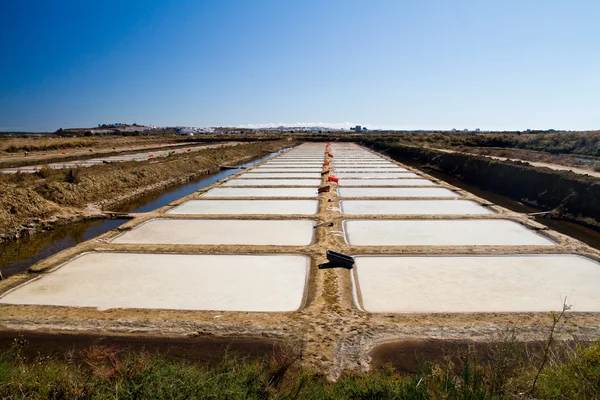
490	64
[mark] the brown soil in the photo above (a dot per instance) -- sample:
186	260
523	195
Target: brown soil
201	350
28	198
407	356
568	196
335	335
43	144
78	155
566	160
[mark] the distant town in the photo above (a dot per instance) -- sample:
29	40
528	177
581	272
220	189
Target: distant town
134	129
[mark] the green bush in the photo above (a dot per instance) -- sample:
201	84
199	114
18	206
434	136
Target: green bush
576	378
100	372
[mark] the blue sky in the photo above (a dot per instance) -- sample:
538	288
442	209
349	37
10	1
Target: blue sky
438	64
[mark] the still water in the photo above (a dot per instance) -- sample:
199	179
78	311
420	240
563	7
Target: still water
16	256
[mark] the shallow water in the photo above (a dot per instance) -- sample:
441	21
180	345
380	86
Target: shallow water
16	256
579	232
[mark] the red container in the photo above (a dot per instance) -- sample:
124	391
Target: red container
332	178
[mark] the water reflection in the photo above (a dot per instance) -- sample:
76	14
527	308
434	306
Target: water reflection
156	200
18	255
579	232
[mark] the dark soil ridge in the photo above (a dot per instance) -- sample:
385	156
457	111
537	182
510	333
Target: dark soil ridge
566	195
197	350
26	162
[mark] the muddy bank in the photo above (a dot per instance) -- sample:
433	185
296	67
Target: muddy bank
566	195
33	160
198	350
18	255
31	203
45	150
407	356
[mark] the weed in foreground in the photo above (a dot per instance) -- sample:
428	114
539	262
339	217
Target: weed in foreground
504	371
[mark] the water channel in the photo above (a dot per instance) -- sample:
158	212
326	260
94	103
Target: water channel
16	256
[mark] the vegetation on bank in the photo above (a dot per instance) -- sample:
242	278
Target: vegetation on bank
581	149
98	372
567	196
48	192
41	143
580	143
555	143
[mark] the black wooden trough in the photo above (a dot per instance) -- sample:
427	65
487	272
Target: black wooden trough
337	260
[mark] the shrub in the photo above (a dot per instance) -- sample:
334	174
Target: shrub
73	176
45	172
577	378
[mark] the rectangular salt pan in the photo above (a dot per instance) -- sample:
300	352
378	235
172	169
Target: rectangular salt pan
353	159
356	154
386	182
286	169
412	207
370	169
357	175
247	207
295	163
522	283
351	156
396	192
256	175
171	281
362	165
226	232
273	182
371	175
261	192
441	233
298	159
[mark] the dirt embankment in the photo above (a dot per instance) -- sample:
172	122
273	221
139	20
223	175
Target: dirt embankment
46	150
570	196
590	165
47	143
31	202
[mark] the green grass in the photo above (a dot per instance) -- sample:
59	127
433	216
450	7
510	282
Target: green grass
103	372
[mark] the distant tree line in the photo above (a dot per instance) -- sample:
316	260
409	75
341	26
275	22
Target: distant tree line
117	125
